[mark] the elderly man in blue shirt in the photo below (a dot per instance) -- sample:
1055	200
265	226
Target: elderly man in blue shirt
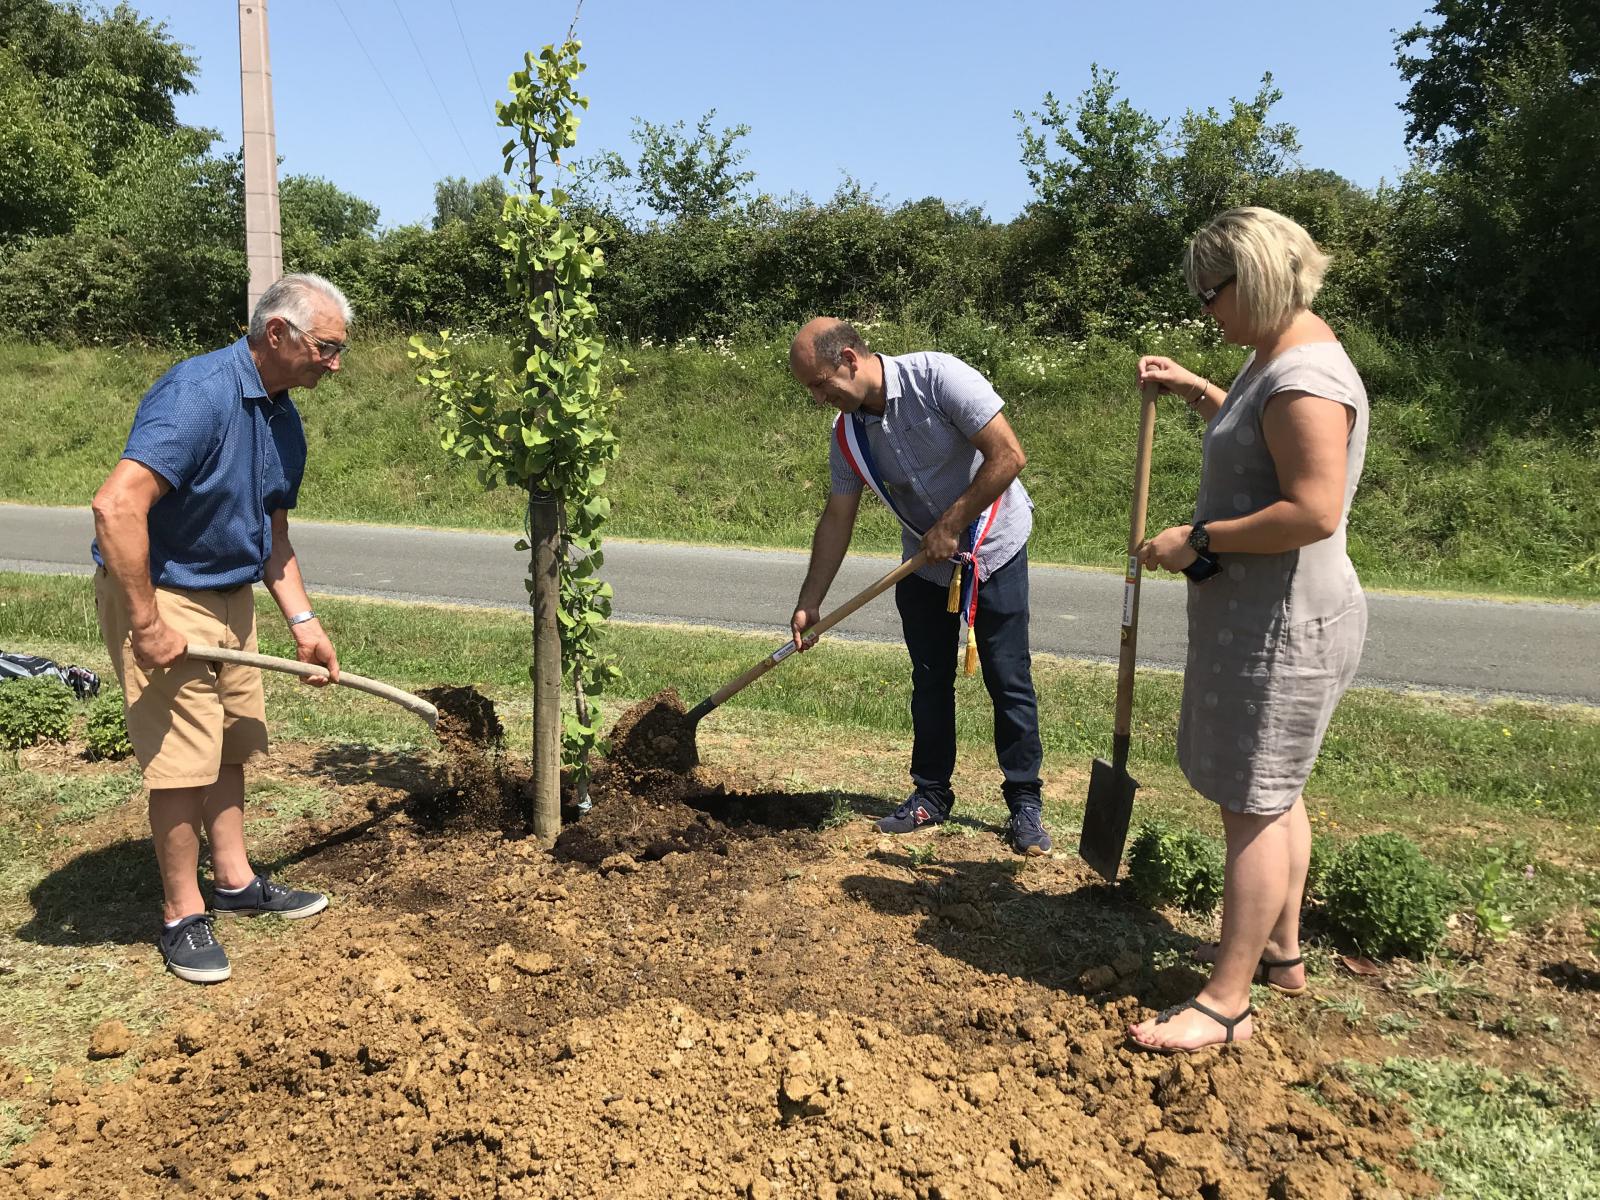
926	433
196	511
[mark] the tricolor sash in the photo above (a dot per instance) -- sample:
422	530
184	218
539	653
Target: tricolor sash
850	432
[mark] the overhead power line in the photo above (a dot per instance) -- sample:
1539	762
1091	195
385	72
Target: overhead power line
477	76
421	145
421	58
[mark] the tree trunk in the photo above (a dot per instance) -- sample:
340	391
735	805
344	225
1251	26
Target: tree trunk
544	530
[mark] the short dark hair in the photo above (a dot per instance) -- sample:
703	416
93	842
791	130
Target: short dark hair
828	344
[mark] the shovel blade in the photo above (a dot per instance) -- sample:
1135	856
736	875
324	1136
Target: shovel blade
1106	817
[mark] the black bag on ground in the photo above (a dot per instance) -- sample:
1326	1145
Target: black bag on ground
84	683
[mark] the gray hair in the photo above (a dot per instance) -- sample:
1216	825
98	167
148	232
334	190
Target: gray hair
291	298
828	344
1276	264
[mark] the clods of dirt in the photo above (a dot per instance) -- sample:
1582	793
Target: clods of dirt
477	790
655	735
702	815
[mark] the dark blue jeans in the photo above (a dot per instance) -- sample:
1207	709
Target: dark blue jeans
932	637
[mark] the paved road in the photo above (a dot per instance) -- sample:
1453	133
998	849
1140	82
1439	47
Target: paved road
1542	650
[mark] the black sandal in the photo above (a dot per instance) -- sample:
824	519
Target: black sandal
1280	964
1167	1015
1263	968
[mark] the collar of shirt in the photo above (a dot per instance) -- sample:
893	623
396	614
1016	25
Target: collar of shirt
249	375
893	388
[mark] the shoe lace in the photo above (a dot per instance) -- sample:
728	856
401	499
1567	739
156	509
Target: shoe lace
1027	821
908	805
272	891
198	934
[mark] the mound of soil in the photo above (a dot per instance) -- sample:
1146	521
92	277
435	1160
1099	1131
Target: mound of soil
655	735
477	791
738	1005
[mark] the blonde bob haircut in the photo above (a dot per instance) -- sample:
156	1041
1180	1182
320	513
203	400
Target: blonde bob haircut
1272	260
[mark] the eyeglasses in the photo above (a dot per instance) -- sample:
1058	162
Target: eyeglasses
1208	296
326	350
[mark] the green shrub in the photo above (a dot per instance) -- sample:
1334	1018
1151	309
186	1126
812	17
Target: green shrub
1324	853
1386	897
34	710
1175	866
106	730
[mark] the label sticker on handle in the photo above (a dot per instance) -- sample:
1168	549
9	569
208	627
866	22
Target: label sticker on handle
1129	591
782	652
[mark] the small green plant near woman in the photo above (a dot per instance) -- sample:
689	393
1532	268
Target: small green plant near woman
1490	920
106	729
1175	866
1387	898
33	711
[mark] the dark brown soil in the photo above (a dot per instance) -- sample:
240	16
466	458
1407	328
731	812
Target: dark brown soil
476	791
655	735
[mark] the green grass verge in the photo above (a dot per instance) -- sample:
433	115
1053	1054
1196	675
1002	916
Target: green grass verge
1458	776
1470	483
1484	1136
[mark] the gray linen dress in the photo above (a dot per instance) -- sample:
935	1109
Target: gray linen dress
1274	639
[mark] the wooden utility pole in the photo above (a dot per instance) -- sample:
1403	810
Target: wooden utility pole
263	239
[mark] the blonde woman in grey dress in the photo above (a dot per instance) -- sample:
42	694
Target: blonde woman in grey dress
1276	615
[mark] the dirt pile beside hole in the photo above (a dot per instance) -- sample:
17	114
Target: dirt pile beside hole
654	735
477	791
406	1094
702	812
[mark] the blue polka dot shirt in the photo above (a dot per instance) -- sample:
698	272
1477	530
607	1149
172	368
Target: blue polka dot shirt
233	455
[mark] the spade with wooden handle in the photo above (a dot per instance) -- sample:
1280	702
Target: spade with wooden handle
266	662
695	715
1110	807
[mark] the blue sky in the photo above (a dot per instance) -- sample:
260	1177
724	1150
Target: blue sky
913	99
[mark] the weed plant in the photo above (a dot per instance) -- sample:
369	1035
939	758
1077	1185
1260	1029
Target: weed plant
1383	895
106	728
34	711
1173	865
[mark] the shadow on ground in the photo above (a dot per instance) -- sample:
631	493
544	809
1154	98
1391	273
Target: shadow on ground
1090	940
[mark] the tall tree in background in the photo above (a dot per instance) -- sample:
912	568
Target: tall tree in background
1504	111
681	176
1117	194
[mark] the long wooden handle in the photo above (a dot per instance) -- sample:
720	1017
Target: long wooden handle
289	666
733	687
1130	589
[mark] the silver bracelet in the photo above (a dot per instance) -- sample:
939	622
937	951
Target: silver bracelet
300	618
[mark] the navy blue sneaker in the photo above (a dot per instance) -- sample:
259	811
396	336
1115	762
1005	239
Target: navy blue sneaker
264	896
1026	830
191	951
920	811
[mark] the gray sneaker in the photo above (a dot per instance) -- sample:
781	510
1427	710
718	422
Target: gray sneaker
191	951
264	896
920	811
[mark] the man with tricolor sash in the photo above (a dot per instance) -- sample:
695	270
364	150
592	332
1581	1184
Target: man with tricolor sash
925	432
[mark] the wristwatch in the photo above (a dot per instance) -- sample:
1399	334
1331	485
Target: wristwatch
1199	539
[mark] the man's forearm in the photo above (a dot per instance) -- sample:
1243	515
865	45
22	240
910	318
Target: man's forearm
283	580
123	536
828	546
991	481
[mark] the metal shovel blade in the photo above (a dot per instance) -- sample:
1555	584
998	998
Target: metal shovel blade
1106	817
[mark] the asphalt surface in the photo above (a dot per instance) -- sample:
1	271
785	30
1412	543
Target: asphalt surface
1544	651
